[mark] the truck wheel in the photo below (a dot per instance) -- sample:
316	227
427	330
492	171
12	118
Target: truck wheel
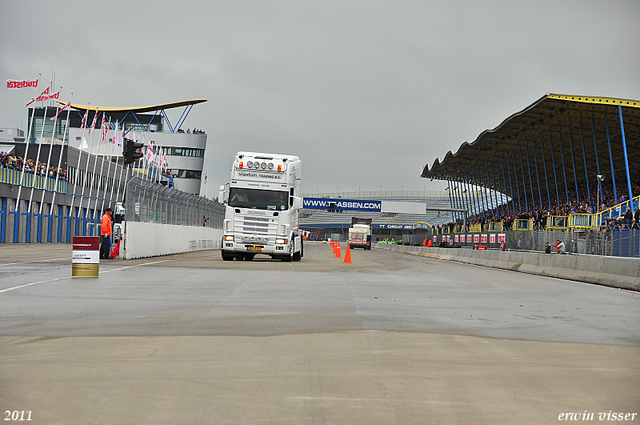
248	257
226	256
287	258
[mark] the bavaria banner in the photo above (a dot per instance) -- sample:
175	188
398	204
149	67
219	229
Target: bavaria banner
341	204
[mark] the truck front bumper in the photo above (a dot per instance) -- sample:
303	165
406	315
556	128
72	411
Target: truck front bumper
277	249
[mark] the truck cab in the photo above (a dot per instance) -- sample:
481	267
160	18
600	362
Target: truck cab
262	204
360	233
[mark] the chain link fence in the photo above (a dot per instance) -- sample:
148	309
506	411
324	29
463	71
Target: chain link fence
149	202
615	242
583	242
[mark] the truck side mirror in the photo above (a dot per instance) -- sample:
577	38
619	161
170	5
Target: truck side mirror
222	195
297	202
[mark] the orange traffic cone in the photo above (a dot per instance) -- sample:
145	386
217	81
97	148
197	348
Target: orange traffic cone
347	255
338	254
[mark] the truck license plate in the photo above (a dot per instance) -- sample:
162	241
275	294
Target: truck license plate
254	248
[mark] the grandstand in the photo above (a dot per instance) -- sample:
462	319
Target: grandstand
566	164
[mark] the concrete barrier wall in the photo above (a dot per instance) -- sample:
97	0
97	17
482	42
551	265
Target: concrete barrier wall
142	240
616	272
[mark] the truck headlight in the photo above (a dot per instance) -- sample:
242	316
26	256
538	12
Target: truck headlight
228	238
282	241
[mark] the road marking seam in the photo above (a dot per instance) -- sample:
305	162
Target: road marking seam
61	278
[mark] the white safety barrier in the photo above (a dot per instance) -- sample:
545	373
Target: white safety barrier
142	240
617	272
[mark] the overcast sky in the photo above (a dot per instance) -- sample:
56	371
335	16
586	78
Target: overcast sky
365	92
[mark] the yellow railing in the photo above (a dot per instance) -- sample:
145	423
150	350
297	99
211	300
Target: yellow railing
582	221
12	176
523	224
495	226
557	222
589	221
475	228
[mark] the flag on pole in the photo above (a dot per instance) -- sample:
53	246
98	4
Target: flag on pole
115	135
147	156
84	119
60	111
42	96
93	124
116	140
105	128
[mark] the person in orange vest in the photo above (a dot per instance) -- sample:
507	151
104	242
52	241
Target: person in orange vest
106	231
429	243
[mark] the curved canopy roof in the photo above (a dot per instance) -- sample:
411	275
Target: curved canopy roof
137	109
567	127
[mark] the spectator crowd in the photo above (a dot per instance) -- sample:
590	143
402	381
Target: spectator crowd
31	166
587	205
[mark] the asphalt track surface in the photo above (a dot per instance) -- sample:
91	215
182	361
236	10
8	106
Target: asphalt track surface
389	339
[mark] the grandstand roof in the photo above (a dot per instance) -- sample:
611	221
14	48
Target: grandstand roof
137	109
568	122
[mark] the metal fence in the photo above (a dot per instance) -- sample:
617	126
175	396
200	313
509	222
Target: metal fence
614	242
149	202
618	242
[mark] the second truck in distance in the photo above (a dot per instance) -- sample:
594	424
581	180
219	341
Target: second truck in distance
360	233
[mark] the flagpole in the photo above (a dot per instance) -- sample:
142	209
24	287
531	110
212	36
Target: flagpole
64	134
46	176
33	179
77	173
86	171
109	168
157	165
104	133
26	149
119	180
93	172
114	176
147	161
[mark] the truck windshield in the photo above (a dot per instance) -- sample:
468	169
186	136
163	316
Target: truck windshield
258	199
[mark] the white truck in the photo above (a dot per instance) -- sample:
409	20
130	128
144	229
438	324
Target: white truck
360	233
262	203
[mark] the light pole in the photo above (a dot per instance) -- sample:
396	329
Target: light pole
600	178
